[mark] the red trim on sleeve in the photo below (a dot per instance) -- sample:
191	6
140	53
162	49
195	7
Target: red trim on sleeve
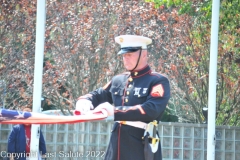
140	109
106	85
137	107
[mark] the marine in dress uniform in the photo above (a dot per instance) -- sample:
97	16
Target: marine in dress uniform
139	96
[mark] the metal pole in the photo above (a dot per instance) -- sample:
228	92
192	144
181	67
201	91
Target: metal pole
2	97
38	70
211	140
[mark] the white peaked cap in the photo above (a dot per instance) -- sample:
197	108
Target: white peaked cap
133	41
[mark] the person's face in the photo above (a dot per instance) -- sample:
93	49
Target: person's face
130	60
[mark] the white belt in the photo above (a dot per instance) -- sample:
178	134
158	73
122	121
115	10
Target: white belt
136	124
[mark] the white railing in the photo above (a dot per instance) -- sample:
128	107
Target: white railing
88	141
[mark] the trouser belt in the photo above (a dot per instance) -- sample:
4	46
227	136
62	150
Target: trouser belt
136	124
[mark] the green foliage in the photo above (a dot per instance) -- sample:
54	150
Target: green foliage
167	117
168	3
196	68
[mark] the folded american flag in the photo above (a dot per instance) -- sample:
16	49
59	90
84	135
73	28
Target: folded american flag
19	117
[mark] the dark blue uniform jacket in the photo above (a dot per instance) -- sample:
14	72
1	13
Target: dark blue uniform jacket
17	142
137	96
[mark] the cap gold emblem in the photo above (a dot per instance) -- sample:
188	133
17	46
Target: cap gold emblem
121	39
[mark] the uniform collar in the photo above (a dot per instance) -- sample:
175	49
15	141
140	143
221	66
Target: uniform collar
141	72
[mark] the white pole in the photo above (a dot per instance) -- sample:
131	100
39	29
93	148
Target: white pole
211	140
38	70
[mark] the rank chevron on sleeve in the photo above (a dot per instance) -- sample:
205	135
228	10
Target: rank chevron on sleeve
157	91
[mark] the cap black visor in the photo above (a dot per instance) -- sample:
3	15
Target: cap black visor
128	50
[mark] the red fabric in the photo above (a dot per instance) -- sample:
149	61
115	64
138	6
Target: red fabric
39	118
28	137
77	112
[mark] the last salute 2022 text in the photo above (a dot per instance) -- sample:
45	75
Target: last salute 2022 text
89	154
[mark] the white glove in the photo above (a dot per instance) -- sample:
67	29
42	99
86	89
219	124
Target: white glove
107	106
83	106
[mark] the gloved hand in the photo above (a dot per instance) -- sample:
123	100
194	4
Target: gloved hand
83	106
107	106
